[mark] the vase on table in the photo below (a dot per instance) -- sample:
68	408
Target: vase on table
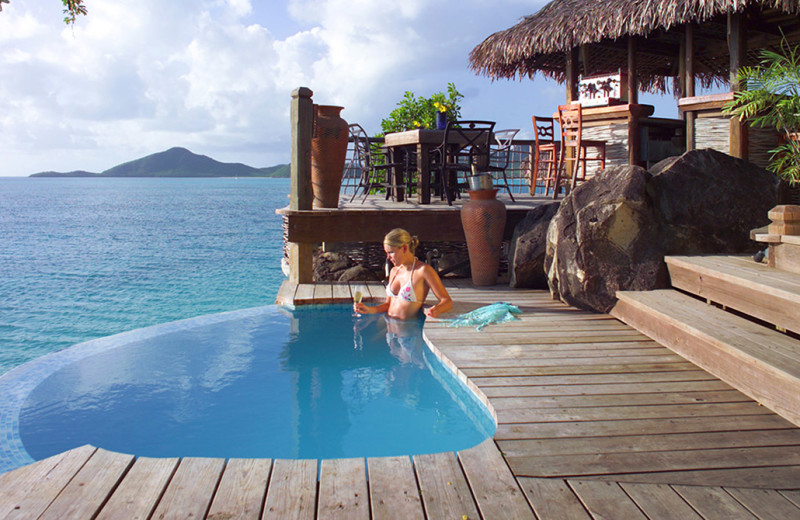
328	151
441	120
483	218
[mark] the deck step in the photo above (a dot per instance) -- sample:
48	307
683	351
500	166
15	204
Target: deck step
739	283
760	362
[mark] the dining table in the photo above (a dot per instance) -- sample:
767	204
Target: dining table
419	141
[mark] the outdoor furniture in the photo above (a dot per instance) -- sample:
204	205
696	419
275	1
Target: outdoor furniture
500	156
375	170
546	154
416	146
465	144
574	149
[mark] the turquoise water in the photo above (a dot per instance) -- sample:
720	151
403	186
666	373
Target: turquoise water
265	382
86	258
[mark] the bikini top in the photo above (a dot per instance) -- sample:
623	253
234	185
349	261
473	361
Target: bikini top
406	291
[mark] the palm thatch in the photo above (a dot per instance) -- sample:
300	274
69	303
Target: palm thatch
539	43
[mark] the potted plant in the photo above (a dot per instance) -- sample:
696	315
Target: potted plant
770	97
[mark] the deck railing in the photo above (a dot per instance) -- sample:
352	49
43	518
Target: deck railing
517	172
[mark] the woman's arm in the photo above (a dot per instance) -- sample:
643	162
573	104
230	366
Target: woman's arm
436	285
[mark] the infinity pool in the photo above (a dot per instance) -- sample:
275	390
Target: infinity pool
266	382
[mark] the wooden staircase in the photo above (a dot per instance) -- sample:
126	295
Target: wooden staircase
733	317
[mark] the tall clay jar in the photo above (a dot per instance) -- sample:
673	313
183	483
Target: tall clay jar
484	219
328	151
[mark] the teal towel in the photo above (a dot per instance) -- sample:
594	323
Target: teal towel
499	312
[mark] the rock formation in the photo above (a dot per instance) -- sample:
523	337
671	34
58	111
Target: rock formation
613	231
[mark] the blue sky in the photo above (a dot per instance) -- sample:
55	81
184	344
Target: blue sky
215	76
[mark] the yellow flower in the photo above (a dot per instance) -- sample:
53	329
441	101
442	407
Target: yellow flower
441	107
417	124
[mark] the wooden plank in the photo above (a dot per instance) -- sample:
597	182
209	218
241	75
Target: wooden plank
493	485
615	413
138	493
304	295
768	477
552	499
91	486
48	484
191	489
241	490
286	293
292	490
639	462
323	293
16	484
393	489
766	504
527	375
646	442
659	501
444	489
343	489
651	426
506	404
772	302
605	500
340	292
793	495
713	503
501	394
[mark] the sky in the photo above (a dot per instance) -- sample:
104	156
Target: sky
216	76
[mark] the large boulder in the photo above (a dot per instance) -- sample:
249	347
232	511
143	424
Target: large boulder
612	232
709	202
526	250
605	237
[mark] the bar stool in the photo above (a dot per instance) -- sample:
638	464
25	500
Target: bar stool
546	154
570	118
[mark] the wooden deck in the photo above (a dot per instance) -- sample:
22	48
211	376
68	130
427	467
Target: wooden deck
595	420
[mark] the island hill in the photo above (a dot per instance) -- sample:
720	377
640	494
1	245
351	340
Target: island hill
177	162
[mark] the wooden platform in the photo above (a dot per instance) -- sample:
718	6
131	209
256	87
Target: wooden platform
595	420
754	356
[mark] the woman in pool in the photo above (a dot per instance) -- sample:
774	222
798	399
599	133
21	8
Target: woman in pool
409	281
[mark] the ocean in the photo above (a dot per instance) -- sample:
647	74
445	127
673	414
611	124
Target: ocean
85	258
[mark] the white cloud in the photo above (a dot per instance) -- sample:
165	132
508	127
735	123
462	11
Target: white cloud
134	78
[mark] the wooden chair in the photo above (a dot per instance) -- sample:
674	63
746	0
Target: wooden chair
500	156
574	147
374	173
465	143
546	154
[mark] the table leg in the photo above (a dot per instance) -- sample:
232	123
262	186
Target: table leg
423	174
398	173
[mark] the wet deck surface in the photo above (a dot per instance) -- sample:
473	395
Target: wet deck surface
594	421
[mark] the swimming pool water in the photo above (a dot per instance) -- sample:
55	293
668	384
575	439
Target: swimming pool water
266	382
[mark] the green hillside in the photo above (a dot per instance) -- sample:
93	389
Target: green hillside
177	162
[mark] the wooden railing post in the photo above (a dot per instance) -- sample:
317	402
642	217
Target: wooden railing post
301	262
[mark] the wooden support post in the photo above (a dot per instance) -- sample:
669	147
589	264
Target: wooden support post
572	69
688	88
634	133
571	74
301	261
633	72
736	46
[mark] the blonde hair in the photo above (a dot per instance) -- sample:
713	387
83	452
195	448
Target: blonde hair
400	237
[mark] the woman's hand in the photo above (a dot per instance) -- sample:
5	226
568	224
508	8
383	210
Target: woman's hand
362	308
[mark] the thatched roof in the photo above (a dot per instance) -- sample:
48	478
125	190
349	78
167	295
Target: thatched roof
539	43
